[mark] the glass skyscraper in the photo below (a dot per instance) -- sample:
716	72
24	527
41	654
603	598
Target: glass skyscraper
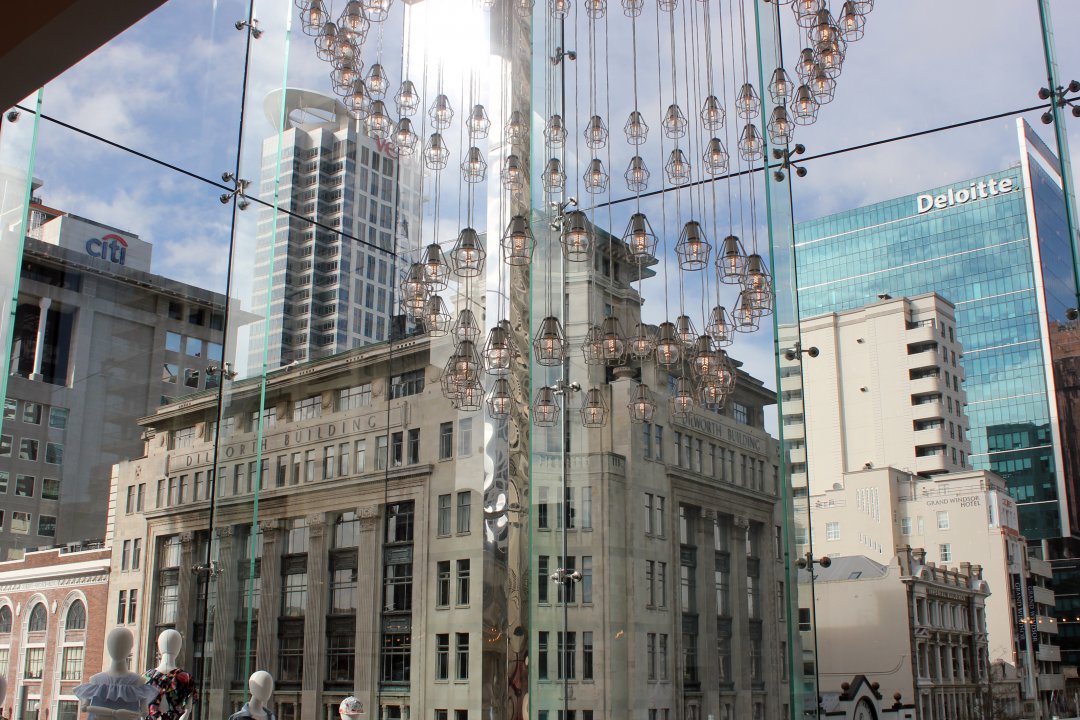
997	247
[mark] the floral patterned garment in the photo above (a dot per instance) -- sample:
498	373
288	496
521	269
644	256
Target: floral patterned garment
176	688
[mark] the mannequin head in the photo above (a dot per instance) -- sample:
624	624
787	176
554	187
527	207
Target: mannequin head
169	643
118	644
261	685
350	708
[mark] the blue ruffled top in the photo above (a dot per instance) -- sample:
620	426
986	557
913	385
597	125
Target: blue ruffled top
116	692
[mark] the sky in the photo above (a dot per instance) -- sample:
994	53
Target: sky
172	87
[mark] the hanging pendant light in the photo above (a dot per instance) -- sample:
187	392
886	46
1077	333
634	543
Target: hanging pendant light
357	100
343	79
436	269
747	102
326	41
516	132
863	6
498	350
407	99
806	65
468	254
436	154
436	316
642	343
685	331
466	328
576	237
830	57
404	138
441	113
824	28
751	145
780	87
731	261
674	123
314	18
713	394
704	359
758	283
632	8
377	10
378	123
549	345
781	129
414	290
746	319
668	346
345	52
559	8
478	123
637	132
595	9
553	177
641	405
806	12
377	82
693	248
500	401
804	107
354	20
681	402
471	398
473	167
640	239
677	168
720	327
637	174
518	242
712	113
613	343
715	157
555	132
513	175
594	410
592	346
596	133
596	178
545	408
667	5
822	86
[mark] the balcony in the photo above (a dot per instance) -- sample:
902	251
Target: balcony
1051	682
794	432
792	382
925	359
1048	653
927	386
797	455
928	411
1043	596
925	333
931	464
792	407
930	436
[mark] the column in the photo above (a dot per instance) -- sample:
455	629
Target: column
740	623
707	632
269	595
39	345
186	588
315	619
368	618
224	624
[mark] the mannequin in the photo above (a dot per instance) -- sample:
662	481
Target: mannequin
175	687
261	686
350	708
116	693
3	694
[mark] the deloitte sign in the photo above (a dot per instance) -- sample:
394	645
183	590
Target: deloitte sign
961	196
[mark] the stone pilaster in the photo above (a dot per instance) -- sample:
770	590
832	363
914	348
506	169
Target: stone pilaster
269	596
226	581
186	592
740	622
315	618
369	572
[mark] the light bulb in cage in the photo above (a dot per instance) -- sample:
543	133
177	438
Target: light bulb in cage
712	114
757	279
612	341
674	122
478	123
436	316
436	154
715	158
464	365
824	28
640	239
632	8
596	133
345	52
441	113
549	345
641	405
436	269
594	410
747	102
576	237
595	9
806	12
720	327
344	78
414	290
498	350
677	167
518	242
667	5
559	8
377	10
806	64
751	145
473	167
592	346
517	130
731	260
693	247
637	174
668	346
704	359
553	177
822	86
780	87
681	402
314	17
404	138
555	132
545	408
852	23
326	41
471	398
863	6
500	400
377	82
450	390
804	107
830	57
713	393
354	20
513	175
642	343
467	257
637	131
466	329
378	123
746	319
407	99
685	331
596	177
357	101
781	128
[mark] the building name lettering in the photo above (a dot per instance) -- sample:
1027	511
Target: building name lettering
719	430
965	501
960	196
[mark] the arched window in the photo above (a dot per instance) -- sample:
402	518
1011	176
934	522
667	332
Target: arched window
5	620
76	616
39	618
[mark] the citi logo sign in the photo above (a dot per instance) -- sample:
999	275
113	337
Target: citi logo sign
110	247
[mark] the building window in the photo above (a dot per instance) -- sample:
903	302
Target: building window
39	619
67	710
741	413
76	616
462	582
329	469
946	552
354	397
397	449
414	446
294	595
20	522
24	485
136	554
942	520
464	510
308	408
28	449
586	656
461	669
5	446
442	586
650	654
586	579
346	530
291	655
397	587
381	449
443	526
542	580
35	663
446	440
442	656
905	526
465	440
832	531
341	655
586	508
566	654
410	383
71	664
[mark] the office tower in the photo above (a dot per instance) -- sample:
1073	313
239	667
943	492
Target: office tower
326	273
